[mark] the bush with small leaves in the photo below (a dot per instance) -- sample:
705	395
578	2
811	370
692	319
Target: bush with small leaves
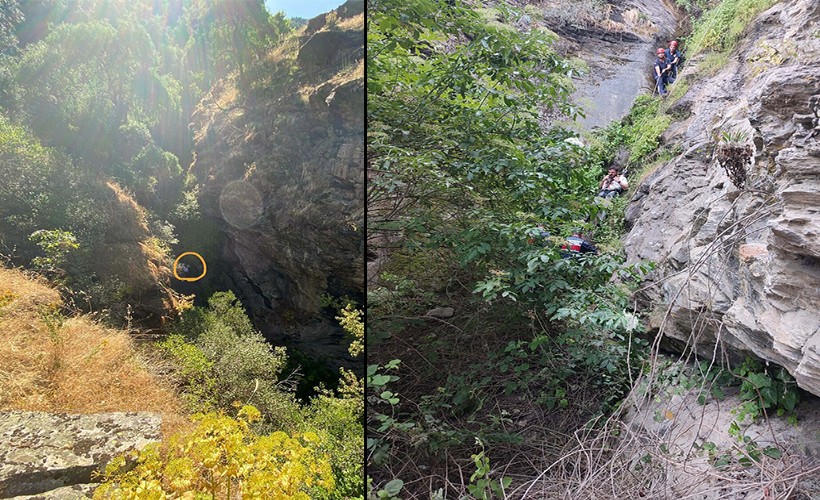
223	359
222	458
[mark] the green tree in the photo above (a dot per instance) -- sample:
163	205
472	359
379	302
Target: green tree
10	17
95	89
41	189
232	35
460	160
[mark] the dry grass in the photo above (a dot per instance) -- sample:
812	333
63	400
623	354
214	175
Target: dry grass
347	74
124	208
351	72
286	50
48	363
350	24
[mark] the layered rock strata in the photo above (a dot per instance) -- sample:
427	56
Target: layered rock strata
739	267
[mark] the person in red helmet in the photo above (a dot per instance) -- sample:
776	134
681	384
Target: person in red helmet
661	71
673	57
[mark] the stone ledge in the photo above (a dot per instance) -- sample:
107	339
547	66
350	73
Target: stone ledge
41	453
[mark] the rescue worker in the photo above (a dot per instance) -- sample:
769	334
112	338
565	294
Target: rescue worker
661	71
577	245
613	184
673	57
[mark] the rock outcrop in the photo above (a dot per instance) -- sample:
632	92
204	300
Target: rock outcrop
282	171
740	268
48	455
134	269
691	433
618	46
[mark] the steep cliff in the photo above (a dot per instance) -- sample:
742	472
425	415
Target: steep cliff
280	168
617	42
739	267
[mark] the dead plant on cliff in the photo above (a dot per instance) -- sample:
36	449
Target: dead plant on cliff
733	154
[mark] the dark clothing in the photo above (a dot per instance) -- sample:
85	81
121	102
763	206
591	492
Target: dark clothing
673	58
610	193
575	246
662	81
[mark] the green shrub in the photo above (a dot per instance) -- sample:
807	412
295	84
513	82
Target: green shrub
711	64
224	362
340	423
639	132
56	244
195	369
222	349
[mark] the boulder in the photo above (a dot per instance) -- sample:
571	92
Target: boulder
75	492
739	269
57	455
441	312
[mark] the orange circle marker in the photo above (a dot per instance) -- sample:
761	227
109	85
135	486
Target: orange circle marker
204	267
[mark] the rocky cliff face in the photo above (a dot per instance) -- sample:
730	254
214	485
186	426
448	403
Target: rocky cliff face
281	170
46	455
619	48
740	268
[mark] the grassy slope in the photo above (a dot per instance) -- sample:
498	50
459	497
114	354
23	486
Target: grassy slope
51	363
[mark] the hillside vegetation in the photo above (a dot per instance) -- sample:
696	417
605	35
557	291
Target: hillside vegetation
99	195
59	364
498	365
56	363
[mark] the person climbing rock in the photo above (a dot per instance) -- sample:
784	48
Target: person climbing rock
661	71
673	57
613	184
577	245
